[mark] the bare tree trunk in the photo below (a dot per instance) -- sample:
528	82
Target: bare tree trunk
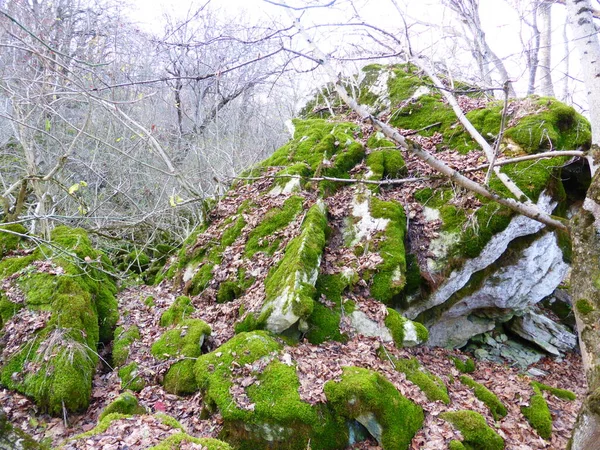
585	279
545	61
533	57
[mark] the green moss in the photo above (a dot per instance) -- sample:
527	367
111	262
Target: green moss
477	435
56	373
8	309
324	325
538	414
184	340
432	386
362	392
181	308
385	163
278	416
584	306
314	141
175	441
490	399
55	367
466	366
149	301
324	322
130	377
126	403
456	445
9	266
137	261
213	370
557	127
291	278
180	378
101	427
276	219
397	324
564	394
124	337
390	277
10	237
343	161
228	291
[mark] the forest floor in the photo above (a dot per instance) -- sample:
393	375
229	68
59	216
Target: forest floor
315	365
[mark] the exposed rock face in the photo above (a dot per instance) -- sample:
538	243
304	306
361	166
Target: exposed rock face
552	337
509	290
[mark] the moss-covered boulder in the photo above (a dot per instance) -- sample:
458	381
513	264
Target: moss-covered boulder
183	344
367	397
267	410
59	305
126	403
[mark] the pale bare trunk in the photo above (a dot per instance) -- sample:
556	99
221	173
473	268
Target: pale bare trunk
585	279
545	62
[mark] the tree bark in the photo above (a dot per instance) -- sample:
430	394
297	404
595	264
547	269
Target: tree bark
545	60
585	232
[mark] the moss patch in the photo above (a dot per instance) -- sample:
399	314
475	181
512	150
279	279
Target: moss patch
362	393
400	326
130	377
126	403
432	386
290	285
278	414
124	337
260	239
490	399
181	309
584	306
564	394
10	237
390	276
175	442
477	435
538	414
466	366
184	340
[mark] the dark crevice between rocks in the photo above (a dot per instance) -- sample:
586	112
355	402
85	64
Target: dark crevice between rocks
576	178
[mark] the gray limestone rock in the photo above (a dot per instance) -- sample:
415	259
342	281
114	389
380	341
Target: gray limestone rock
547	334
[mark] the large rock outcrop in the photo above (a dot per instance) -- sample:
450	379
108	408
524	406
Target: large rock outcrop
338	228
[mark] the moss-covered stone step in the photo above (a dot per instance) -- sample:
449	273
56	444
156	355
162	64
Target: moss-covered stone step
68	282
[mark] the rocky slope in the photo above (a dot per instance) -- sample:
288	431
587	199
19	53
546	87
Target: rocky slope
300	313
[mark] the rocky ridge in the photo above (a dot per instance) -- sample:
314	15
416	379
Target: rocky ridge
314	281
